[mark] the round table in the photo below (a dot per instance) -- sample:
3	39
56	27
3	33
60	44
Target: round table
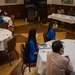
8	20
69	49
5	35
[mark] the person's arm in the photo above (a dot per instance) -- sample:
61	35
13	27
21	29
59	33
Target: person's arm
69	66
35	53
52	34
33	48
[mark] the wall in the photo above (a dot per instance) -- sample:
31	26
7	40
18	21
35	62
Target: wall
55	4
2	2
49	1
20	13
16	9
58	2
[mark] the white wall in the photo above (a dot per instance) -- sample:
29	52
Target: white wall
59	2
2	2
49	1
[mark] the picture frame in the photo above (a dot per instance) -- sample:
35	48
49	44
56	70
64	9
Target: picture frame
10	1
67	1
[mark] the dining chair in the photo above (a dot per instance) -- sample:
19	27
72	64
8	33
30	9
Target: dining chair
11	44
13	19
25	62
4	25
11	29
25	58
44	36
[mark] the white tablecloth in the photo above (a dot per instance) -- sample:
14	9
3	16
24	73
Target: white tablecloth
5	35
63	18
69	49
8	20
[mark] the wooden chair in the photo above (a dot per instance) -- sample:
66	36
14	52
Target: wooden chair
11	44
4	25
11	29
13	19
25	62
44	36
25	58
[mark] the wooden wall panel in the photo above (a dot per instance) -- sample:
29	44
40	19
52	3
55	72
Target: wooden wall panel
65	7
50	10
17	10
53	8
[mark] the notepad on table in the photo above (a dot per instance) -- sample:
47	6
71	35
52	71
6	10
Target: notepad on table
44	46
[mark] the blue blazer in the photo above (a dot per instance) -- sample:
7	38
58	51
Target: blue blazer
32	49
51	34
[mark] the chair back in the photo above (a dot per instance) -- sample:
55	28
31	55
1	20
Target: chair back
11	44
44	36
11	29
24	54
4	25
12	18
25	59
27	52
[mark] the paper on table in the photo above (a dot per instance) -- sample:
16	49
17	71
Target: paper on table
44	46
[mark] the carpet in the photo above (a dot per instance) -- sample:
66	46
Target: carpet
21	32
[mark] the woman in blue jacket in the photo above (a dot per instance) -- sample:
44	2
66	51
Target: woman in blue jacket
51	33
33	50
1	19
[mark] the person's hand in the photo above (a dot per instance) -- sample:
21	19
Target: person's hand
67	57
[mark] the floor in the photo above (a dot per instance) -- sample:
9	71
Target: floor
21	32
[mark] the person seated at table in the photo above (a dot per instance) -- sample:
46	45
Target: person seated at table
60	11
32	44
71	12
51	33
1	20
6	18
56	63
3	12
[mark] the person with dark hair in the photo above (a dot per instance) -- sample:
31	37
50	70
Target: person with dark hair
6	18
51	31
33	49
57	64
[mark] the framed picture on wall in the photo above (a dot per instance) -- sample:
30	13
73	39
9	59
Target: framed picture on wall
10	1
67	1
